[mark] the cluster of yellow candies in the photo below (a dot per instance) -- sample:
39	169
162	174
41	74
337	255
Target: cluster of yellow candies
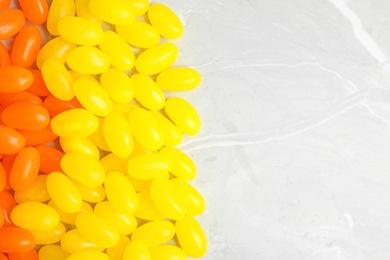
123	192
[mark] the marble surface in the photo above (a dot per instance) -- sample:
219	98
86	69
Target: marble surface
293	157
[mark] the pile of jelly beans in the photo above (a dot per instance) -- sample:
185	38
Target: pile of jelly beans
88	163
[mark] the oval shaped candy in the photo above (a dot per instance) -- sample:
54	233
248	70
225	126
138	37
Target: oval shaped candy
50	159
11	21
149	166
55	48
88	254
36	192
118	85
191	236
91	194
194	200
11	140
119	12
146	209
5	58
88	60
35	215
50	252
14	79
26	46
141	6
165	21
49	237
178	79
139	34
35	11
18	240
136	250
25	169
182	165
82	10
116	131
147	92
79	145
70	218
59	9
172	134
73	242
154	233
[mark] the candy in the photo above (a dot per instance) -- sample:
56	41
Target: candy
5	58
24	169
118	85
31	255
166	252
88	60
91	194
26	46
89	254
146	209
4	4
139	34
35	215
182	165
191	236
14	79
36	192
149	166
117	133
38	86
50	252
50	158
51	236
11	140
11	21
73	242
35	11
117	252
98	138
59	9
136	250
79	145
7	204
7	99
55	106
165	21
141	6
119	12
55	48
172	134
178	79
154	233
17	240
194	200
3	179
147	92
82	10
39	137
70	218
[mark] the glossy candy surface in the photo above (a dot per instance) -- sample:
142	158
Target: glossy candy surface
178	79
154	233
56	48
11	21
165	21
12	141
118	85
88	60
191	236
76	123
147	92
36	192
172	134
119	12
14	79
58	10
167	252
24	169
139	34
182	165
35	11
73	242
149	166
26	46
35	215
117	133
18	240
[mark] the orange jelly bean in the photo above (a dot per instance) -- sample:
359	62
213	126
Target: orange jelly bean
55	106
25	169
18	240
5	58
14	79
11	141
38	86
35	11
50	159
3	257
33	138
11	21
7	204
26	46
4	4
29	255
7	99
7	162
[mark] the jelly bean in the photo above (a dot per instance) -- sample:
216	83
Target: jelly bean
84	169
191	236
76	123
26	116
26	46
51	252
3	178
111	162
157	58
97	230
168	199
183	115
149	166
172	134
11	21
50	159
116	252
120	193
39	137
146	209
5	58
136	250
35	11
166	252
55	48
88	60
32	254
7	99
116	131
92	96
182	165
120	12
92	195
80	31
165	21
56	106
59	9
14	79
25	169
57	79
7	204
73	242
77	75
178	79
145	129
82	10
70	218
79	145
124	108
147	92
4	4
36	192
38	86
98	138
8	162
125	223
154	233
118	85
139	34
144	185
17	240
88	254
49	237
194	200
141	6
63	192
3	257
35	215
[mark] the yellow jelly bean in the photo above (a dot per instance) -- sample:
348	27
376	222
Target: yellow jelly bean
146	209
136	250
70	218
172	134
194	200
183	114
124	108
79	145
141	6
97	230
49	237
116	131
98	138
154	233
165	21
191	236
57	79
118	85
55	48
145	129
118	12
35	215
147	92
63	192
111	163
139	34
88	254
82	10
88	60
166	252
125	223
116	252
51	252
144	185
77	75
119	52
120	193
178	79
84	169
73	242
59	9
157	58
182	165
149	166
168	199
92	96
36	192
92	195
74	123
80	31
